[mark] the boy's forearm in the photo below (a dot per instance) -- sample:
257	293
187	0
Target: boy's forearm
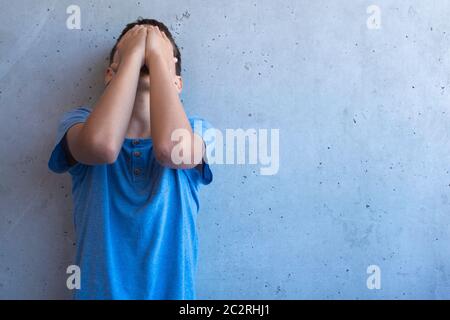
166	111
110	117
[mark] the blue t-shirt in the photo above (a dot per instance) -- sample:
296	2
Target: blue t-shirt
135	220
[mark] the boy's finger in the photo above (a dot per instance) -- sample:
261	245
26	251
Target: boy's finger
166	37
132	30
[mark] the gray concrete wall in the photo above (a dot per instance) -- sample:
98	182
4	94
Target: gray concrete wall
364	154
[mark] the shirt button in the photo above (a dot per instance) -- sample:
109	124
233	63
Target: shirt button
136	154
135	142
137	171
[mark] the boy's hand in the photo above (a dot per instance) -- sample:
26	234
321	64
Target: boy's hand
159	47
132	45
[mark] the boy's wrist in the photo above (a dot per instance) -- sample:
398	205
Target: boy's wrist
133	59
152	58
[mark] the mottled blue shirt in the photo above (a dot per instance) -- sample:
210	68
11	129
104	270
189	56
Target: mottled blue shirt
135	220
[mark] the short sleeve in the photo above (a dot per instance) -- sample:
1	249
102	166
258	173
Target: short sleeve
58	162
201	127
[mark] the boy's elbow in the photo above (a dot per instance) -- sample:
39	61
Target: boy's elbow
109	155
105	152
163	154
167	156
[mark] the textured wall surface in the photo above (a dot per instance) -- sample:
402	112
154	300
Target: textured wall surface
364	129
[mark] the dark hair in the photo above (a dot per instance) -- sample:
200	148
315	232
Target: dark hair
163	28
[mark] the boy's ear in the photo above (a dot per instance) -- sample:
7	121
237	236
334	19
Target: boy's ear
179	83
109	73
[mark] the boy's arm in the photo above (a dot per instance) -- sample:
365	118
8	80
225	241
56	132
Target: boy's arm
99	139
166	111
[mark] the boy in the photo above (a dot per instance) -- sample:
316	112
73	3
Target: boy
135	205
